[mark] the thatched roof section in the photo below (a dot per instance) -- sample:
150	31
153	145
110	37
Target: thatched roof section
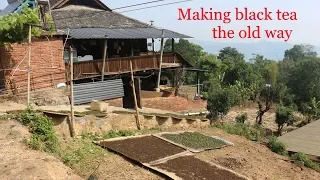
75	16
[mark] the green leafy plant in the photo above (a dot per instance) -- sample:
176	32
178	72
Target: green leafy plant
242	118
306	161
26	116
284	116
15	27
43	135
220	101
277	146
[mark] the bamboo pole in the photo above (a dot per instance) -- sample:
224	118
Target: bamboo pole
71	93
104	58
135	98
160	64
29	65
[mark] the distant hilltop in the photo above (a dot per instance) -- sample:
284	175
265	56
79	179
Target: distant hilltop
270	50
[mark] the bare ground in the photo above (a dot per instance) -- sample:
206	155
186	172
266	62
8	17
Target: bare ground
254	160
19	162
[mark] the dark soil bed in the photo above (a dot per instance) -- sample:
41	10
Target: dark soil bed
191	168
144	149
195	140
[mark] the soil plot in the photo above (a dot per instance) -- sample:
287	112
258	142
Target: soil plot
143	149
191	168
195	140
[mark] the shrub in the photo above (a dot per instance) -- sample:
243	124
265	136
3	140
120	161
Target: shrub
306	161
284	116
43	135
242	118
220	101
26	116
276	146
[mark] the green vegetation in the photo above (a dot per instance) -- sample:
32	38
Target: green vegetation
220	101
195	140
43	136
306	161
276	146
81	154
284	116
15	27
108	135
252	132
233	81
242	118
6	117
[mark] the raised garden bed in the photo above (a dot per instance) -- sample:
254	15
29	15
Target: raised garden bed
191	168
194	140
143	149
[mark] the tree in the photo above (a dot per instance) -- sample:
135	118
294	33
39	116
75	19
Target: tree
190	51
300	52
220	101
237	69
304	82
284	116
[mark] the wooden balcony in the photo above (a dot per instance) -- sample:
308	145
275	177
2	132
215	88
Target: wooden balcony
89	69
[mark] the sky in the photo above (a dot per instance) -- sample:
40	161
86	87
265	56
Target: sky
304	30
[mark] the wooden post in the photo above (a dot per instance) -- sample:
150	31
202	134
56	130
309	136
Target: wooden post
198	84
132	51
172	41
161	57
29	65
71	92
137	85
104	58
135	98
153	45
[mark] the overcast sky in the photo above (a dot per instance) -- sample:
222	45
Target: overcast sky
305	30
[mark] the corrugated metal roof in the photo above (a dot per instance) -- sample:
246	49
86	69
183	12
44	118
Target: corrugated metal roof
10	8
123	33
305	139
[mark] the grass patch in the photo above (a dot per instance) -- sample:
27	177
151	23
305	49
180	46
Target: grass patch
306	161
81	155
252	132
6	117
195	140
277	146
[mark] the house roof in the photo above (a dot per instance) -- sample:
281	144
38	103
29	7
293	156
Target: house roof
10	8
77	16
122	33
60	3
305	139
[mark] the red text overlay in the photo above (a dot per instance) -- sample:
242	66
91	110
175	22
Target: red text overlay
241	14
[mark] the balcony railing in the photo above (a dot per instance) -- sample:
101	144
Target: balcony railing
121	65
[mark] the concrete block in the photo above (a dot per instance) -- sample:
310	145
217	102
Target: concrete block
99	106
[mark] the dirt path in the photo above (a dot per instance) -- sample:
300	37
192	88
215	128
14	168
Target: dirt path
254	160
18	162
